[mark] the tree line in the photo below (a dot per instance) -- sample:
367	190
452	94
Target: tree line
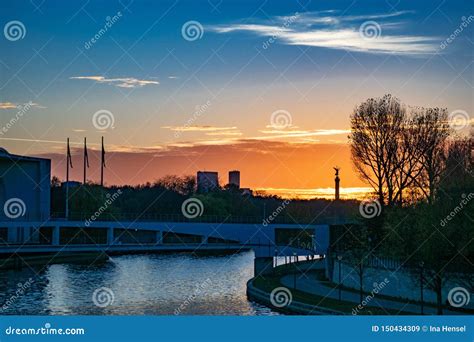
165	196
422	174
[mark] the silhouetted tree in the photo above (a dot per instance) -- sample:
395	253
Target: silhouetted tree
185	185
438	233
432	131
398	153
376	126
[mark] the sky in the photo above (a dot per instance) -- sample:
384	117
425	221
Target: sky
264	87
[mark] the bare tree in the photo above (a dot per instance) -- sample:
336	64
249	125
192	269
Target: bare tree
376	128
432	133
398	153
407	159
458	175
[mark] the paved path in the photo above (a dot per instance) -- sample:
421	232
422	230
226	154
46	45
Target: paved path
308	283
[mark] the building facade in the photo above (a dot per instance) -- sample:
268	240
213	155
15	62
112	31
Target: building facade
24	187
207	181
234	178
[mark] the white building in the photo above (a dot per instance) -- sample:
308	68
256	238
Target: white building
24	187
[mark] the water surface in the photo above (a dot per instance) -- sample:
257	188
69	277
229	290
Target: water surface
150	284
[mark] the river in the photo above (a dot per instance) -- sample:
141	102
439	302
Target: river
152	284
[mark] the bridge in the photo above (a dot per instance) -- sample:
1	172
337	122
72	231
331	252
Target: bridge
27	226
79	236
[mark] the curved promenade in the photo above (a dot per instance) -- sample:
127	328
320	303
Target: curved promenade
294	307
304	291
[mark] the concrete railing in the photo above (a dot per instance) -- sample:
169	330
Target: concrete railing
281	219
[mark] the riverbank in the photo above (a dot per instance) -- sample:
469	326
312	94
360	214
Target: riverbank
18	261
40	258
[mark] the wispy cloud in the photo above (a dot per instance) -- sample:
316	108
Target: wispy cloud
7	105
217	136
198	128
328	30
124	82
228	133
298	133
11	105
232	135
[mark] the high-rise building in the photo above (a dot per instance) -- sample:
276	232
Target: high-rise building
207	181
234	178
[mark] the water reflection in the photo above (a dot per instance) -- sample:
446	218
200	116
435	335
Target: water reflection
141	285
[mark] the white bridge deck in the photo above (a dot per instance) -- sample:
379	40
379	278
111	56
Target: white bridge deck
24	237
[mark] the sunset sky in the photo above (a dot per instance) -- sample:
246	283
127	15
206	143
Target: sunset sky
265	87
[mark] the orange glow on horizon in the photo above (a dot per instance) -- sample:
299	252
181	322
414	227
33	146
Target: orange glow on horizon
357	193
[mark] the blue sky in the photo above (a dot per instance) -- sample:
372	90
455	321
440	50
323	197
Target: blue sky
153	81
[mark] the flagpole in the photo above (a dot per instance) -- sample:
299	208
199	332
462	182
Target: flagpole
67	180
102	164
85	160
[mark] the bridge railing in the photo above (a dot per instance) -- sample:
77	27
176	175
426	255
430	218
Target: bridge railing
281	219
134	217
